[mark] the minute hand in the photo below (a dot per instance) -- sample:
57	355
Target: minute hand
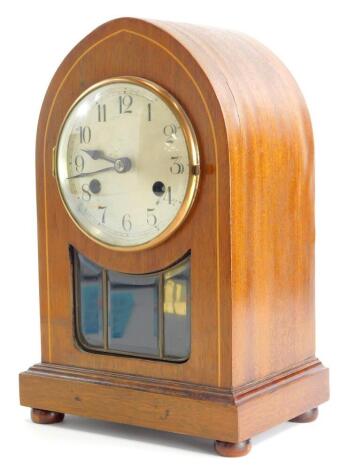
102	170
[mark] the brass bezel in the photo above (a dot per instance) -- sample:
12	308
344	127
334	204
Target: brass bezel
193	155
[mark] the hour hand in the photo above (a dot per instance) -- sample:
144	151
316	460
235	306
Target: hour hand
99	155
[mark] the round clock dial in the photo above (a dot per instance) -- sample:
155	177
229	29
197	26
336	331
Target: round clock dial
127	163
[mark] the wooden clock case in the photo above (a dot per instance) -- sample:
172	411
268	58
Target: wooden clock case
250	234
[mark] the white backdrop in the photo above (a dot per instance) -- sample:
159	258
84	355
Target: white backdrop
311	38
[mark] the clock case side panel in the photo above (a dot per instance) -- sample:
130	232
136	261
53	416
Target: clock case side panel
272	210
273	232
272	229
209	244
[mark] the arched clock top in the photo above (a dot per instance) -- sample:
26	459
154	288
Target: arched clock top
187	84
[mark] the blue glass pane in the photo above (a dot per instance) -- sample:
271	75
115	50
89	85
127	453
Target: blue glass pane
121	306
133	313
91	302
177	311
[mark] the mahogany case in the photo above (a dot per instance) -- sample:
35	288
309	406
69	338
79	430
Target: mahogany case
250	234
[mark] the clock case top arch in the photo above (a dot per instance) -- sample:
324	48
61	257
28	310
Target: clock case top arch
250	231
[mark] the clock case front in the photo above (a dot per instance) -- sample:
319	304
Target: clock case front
250	236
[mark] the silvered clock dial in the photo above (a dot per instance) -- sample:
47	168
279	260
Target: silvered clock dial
127	163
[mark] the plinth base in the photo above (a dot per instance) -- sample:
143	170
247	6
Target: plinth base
228	417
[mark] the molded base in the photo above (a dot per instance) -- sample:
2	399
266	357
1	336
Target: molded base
230	449
224	415
46	417
307	417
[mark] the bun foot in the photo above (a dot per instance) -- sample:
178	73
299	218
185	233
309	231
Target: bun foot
46	417
306	417
232	449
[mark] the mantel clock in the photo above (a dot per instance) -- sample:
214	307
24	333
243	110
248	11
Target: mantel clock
176	237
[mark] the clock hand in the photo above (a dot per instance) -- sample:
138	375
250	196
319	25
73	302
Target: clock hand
102	170
99	155
121	165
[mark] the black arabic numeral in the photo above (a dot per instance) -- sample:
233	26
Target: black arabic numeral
85	134
126	223
168	195
101	112
86	195
151	218
149	112
177	168
79	163
103	209
125	102
170	132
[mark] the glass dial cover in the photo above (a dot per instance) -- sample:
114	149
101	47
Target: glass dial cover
127	163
